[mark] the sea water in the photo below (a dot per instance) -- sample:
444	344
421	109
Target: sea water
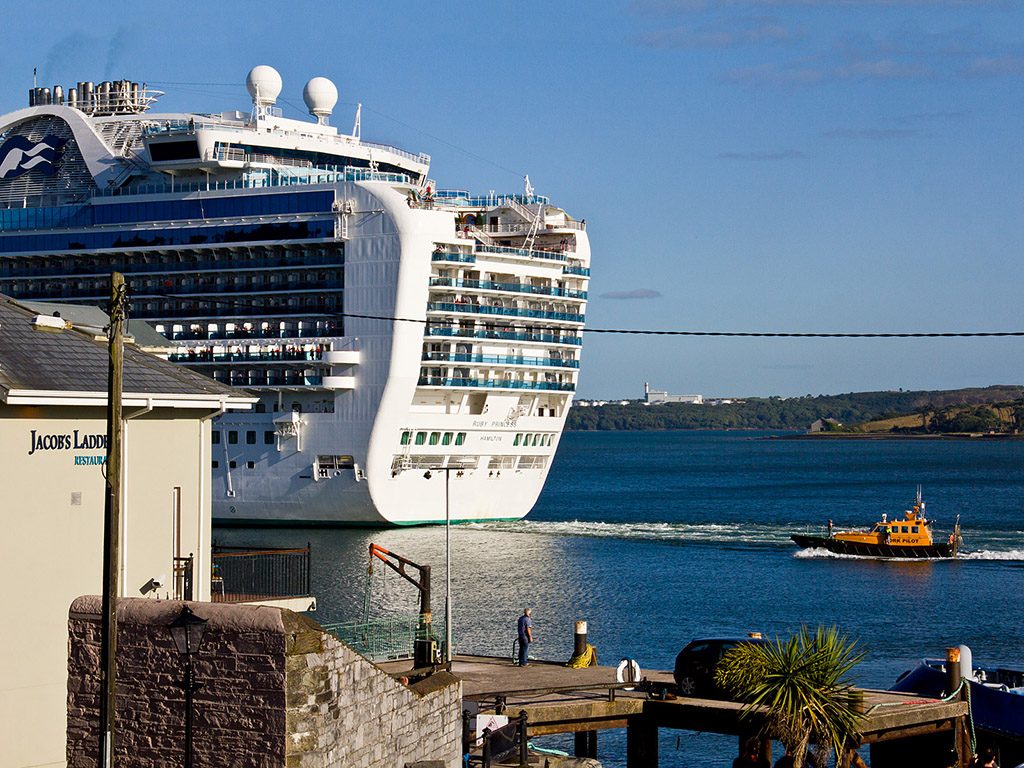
659	538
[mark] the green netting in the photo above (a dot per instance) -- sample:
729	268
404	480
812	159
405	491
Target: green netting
390	638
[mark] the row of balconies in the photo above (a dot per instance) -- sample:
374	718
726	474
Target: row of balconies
464	306
516	360
491	285
505	334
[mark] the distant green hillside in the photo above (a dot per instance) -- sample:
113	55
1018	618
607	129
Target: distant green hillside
777	413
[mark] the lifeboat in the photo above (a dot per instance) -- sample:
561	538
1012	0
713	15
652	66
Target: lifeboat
908	537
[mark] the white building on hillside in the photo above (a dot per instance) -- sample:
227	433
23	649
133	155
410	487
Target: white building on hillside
655	397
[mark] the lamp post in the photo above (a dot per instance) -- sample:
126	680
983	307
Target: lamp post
447	555
187	631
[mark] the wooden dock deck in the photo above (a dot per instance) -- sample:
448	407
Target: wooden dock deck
558	699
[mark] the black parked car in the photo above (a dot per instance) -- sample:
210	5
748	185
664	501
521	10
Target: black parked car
697	662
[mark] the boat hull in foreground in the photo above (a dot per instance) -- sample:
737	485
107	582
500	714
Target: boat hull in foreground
864	549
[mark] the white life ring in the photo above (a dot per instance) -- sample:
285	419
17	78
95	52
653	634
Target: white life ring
634	672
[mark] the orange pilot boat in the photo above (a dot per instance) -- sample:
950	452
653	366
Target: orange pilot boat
909	537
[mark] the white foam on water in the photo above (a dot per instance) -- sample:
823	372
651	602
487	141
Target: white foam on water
989	554
724	533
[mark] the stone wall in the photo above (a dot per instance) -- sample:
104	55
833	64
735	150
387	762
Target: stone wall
278	691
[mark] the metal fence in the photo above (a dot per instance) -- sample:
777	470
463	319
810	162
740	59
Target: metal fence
389	638
242	574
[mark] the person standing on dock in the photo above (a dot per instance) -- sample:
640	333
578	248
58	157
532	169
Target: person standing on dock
525	636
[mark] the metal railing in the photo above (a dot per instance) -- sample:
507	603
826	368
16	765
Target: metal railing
498	745
245	574
458	357
483	309
437	381
183	577
490	285
465	258
543	338
390	638
505	250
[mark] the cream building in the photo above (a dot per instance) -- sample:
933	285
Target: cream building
53	397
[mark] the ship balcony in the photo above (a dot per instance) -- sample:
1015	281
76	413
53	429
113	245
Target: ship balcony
339	382
342	356
510	360
440	307
520	253
443	382
490	285
485	333
575	270
454	257
269	357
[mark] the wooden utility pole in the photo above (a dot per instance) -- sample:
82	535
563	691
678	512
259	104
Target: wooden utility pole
118	311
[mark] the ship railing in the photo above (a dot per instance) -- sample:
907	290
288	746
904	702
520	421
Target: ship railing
462	198
465	258
435	381
456	357
238	126
484	333
505	250
387	638
525	226
260	178
489	285
482	309
575	270
246	573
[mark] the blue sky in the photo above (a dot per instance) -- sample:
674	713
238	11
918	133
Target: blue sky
743	165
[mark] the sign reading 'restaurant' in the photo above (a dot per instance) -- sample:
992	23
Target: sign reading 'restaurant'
72	442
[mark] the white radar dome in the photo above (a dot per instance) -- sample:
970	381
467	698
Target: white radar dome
264	84
320	95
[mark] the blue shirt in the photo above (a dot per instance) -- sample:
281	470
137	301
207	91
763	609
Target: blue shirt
524	624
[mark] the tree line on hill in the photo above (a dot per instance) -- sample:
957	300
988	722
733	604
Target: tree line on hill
989	408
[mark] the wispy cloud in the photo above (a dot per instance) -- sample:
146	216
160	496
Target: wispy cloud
774	74
721	34
885	69
995	66
676	7
870	133
636	293
787	154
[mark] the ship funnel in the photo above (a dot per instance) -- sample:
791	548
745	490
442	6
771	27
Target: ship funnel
320	95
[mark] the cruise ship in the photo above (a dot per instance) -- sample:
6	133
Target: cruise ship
415	349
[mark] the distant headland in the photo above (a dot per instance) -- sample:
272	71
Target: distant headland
996	411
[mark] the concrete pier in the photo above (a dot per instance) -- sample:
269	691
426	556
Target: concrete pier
558	699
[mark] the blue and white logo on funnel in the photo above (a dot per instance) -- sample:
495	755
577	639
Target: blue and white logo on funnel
19	155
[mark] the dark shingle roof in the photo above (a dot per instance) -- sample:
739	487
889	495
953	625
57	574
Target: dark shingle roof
73	361
142	332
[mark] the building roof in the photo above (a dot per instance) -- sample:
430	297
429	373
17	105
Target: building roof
143	334
46	365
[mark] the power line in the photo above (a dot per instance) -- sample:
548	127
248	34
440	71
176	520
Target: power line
650	332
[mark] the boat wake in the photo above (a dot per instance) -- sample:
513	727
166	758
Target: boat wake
702	533
991	554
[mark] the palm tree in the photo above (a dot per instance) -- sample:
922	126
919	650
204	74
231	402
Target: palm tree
801	687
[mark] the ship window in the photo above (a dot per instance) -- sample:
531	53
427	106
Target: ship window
460	438
233	437
216	437
914	529
447	439
250	465
421	438
517	438
216	463
406	436
435	437
906	529
250	437
535	440
268	437
232	464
